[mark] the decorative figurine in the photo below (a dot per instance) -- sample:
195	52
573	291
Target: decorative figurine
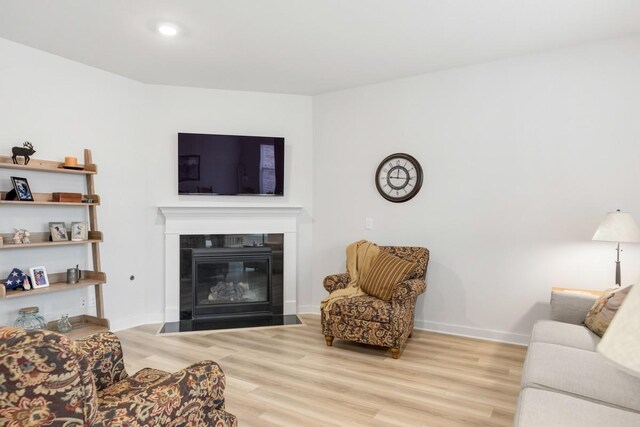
25	236
17	237
25	151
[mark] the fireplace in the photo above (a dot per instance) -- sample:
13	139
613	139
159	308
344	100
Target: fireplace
198	235
225	276
225	281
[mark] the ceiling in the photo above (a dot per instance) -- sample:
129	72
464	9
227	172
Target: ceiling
304	46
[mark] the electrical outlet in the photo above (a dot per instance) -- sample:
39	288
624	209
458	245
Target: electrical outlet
368	223
83	302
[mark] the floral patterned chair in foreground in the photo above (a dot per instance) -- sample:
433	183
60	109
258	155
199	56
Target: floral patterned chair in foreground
48	380
383	320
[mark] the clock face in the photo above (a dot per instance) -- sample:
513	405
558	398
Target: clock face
399	177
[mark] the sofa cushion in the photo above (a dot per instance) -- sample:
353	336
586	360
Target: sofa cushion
542	408
362	308
604	309
585	374
385	273
566	334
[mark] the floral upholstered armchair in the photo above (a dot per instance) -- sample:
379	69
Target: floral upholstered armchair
370	320
48	380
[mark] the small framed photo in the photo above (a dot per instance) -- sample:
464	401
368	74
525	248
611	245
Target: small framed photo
58	232
79	231
21	187
39	277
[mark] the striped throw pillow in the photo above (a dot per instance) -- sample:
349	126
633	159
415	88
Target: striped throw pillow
385	273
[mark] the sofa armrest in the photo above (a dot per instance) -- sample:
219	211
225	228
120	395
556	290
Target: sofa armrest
336	281
191	396
104	352
570	307
44	380
408	289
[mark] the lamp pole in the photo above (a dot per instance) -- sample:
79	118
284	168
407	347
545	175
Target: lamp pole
618	281
618	227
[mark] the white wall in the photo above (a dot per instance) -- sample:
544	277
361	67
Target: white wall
233	113
522	159
62	107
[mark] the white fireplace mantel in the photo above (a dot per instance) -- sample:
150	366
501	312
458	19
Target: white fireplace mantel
228	219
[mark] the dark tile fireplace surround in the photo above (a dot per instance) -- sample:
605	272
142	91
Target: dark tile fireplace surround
230	281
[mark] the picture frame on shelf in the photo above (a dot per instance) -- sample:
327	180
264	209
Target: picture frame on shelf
22	189
39	278
79	231
58	232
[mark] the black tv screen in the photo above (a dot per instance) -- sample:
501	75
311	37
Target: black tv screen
230	165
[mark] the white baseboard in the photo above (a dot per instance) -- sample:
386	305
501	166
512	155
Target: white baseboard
132	322
446	328
308	309
467	331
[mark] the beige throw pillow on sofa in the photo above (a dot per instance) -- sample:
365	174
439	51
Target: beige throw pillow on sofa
385	273
604	309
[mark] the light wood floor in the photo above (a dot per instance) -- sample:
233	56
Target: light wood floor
287	376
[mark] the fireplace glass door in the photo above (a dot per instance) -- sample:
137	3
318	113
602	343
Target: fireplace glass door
233	280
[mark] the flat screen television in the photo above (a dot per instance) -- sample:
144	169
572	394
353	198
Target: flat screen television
230	165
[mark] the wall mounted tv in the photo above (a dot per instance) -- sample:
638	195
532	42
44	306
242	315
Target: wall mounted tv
230	165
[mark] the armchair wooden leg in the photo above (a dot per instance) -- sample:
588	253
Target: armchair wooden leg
411	333
328	340
395	353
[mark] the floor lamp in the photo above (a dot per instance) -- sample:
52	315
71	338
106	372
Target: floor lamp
618	227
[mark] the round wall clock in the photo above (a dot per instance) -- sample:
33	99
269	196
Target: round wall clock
399	177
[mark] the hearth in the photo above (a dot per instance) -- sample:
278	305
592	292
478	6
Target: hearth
255	321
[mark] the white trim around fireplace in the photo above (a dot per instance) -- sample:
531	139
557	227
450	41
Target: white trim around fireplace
249	219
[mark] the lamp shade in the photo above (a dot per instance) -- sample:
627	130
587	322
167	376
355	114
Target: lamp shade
621	342
618	227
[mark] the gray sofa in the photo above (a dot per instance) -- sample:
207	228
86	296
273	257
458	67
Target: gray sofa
565	382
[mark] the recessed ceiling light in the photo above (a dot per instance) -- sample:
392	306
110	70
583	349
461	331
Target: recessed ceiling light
169	30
